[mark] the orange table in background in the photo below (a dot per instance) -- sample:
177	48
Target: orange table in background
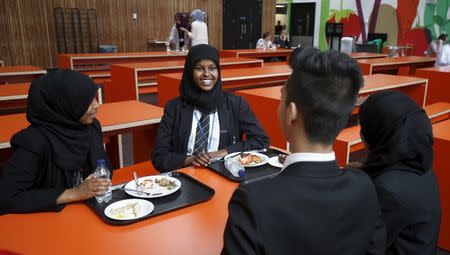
397	65
441	132
264	101
196	229
256	53
364	55
19	74
233	79
438	83
13	97
114	120
99	62
130	80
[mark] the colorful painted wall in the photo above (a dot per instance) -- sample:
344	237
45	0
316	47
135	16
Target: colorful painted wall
415	22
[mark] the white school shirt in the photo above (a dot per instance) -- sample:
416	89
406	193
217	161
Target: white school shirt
308	157
199	33
443	57
213	136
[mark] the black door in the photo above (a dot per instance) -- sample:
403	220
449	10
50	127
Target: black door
241	23
302	22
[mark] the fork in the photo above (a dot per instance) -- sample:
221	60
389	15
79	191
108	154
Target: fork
140	192
138	188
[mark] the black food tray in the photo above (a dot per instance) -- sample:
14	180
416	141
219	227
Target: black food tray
191	192
251	173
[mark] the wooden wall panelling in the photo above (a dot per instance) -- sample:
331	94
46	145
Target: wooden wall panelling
28	34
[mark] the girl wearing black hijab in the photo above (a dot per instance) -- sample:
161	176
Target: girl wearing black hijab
58	149
399	139
204	122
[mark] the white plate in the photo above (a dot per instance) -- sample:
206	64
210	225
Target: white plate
156	191
262	156
273	161
144	207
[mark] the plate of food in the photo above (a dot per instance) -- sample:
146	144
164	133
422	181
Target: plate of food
153	186
249	159
129	209
277	161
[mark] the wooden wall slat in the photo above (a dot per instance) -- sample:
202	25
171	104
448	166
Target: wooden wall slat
27	33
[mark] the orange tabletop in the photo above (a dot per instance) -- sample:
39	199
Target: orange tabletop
197	229
438	83
19	74
363	55
257	53
264	101
111	116
441	132
397	65
232	79
101	61
130	80
13	97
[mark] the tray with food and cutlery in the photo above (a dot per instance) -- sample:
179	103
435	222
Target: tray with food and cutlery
258	164
149	196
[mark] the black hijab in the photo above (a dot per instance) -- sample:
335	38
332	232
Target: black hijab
189	91
56	102
398	133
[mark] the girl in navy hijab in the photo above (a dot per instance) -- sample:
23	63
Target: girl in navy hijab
59	148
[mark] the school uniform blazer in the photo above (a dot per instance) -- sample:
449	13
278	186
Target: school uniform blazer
411	210
310	208
235	119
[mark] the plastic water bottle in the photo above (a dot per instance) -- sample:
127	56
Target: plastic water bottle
103	172
234	167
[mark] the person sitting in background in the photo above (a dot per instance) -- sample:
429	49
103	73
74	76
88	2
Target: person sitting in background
204	122
433	48
60	147
199	30
178	37
312	206
443	56
264	42
399	139
283	40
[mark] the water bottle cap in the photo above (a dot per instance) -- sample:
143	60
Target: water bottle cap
241	173
100	162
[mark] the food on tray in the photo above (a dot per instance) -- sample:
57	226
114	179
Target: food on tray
282	158
131	210
147	184
164	182
248	159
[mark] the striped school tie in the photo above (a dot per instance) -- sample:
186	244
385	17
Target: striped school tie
202	134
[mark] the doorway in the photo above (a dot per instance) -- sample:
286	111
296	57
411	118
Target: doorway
302	23
241	23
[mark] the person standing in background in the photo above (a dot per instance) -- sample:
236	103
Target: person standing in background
283	40
278	28
178	36
434	46
199	30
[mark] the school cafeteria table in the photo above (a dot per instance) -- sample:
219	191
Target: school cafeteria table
438	83
441	132
264	101
397	65
99	62
13	97
116	119
364	55
233	79
256	53
196	229
19	74
130	80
